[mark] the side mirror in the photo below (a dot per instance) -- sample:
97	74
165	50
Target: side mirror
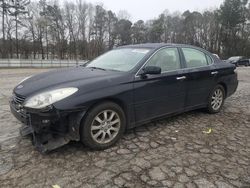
151	70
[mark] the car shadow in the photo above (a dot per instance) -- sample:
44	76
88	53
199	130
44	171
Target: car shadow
74	146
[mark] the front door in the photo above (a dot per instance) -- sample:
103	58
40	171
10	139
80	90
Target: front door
158	95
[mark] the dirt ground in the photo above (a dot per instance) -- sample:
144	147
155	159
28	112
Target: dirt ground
174	152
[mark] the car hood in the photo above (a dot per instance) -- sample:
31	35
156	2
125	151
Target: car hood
83	78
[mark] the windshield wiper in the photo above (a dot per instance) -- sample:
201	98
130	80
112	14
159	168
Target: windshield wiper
97	68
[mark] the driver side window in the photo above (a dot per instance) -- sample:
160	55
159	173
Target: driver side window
167	59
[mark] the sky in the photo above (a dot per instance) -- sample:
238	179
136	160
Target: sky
149	9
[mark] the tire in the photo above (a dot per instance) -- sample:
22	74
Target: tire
96	125
217	96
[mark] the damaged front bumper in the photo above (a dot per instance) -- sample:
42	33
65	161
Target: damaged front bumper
49	128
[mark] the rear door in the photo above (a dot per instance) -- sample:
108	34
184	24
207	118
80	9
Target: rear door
200	76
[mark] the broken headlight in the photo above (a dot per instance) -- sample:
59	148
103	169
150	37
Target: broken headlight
47	98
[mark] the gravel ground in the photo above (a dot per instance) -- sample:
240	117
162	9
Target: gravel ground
174	152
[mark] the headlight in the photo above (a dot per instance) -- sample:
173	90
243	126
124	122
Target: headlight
49	97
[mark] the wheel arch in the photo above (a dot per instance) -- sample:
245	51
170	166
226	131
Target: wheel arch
111	99
117	101
224	86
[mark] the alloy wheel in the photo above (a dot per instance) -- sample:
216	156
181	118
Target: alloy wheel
217	99
105	126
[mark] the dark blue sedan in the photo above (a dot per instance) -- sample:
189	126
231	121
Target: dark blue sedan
123	88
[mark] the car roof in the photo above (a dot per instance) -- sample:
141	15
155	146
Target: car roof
157	45
146	45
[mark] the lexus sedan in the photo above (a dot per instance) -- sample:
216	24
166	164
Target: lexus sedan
121	89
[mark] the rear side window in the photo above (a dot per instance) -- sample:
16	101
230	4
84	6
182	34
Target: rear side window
194	58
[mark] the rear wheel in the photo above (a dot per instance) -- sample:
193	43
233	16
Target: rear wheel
103	126
216	99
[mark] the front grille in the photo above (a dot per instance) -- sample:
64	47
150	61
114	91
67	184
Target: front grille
18	99
17	109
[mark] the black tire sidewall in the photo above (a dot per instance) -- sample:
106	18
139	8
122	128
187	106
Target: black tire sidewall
210	108
85	130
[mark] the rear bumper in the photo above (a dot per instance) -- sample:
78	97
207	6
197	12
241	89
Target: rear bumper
49	129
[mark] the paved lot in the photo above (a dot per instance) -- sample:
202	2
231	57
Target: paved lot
169	153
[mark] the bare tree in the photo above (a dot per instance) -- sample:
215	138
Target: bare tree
111	23
4	6
100	27
58	29
43	13
70	17
123	15
31	19
18	8
79	30
82	14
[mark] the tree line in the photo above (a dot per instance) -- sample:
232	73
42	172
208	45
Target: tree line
78	30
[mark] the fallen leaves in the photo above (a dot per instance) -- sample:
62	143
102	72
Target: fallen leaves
208	131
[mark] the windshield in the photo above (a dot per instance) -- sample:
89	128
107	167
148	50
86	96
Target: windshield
120	59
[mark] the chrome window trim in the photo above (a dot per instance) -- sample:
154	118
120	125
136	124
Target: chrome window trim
209	65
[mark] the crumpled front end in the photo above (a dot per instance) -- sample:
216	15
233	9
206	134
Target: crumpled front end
49	128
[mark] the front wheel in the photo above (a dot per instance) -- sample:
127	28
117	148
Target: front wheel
216	99
103	126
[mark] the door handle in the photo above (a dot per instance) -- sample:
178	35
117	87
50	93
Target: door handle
214	73
181	78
